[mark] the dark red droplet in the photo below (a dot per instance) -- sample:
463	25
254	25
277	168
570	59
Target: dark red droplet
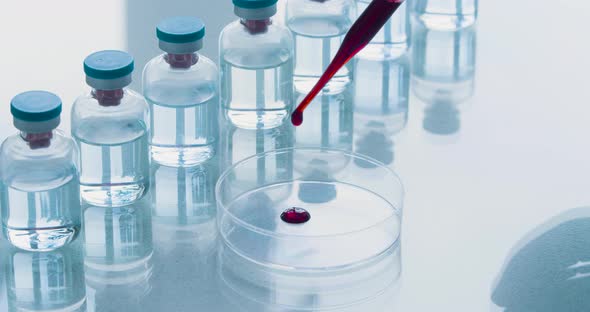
297	118
295	215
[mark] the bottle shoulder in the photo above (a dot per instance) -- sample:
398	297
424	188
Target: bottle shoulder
18	158
269	49
158	69
131	104
165	86
235	35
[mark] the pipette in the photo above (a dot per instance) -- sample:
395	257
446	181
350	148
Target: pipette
359	35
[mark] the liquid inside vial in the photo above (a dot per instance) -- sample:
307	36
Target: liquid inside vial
184	108
41	217
317	39
117	169
256	84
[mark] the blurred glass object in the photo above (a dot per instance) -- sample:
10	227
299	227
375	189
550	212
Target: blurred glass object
250	287
394	39
443	74
46	281
118	254
381	96
446	14
184	195
318	28
183	205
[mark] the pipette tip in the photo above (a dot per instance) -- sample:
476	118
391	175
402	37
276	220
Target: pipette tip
297	118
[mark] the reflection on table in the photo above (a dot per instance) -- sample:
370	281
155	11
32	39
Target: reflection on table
381	91
443	74
250	287
46	281
118	255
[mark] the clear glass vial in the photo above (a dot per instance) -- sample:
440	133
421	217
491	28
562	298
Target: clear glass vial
181	89
256	58
445	14
318	28
39	191
110	125
393	39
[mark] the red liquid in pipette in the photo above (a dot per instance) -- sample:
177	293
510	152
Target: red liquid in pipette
360	34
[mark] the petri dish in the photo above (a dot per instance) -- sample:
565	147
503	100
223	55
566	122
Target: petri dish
354	213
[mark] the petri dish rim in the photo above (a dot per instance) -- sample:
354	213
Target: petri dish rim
397	213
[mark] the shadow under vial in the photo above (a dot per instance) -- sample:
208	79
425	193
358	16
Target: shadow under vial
549	269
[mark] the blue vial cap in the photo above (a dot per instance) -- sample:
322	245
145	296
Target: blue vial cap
35	106
109	64
181	29
254	4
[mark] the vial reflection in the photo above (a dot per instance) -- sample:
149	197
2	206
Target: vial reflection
443	74
46	281
118	252
381	95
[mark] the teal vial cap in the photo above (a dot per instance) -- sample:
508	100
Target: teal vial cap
254	4
35	106
181	29
108	64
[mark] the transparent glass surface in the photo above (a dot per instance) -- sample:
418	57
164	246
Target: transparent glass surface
46	281
393	39
184	105
113	143
348	208
39	192
443	75
447	14
256	74
381	110
318	28
488	223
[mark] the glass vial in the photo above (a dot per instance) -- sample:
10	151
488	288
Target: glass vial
318	27
393	39
181	89
256	58
39	191
110	125
445	14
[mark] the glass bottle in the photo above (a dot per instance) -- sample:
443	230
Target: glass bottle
445	14
39	191
110	125
393	39
318	27
256	58
181	89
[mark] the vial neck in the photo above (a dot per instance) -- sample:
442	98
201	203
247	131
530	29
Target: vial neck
108	97
38	140
256	26
181	61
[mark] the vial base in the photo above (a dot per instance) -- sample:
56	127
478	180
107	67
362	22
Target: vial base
257	119
174	156
112	195
41	239
445	21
